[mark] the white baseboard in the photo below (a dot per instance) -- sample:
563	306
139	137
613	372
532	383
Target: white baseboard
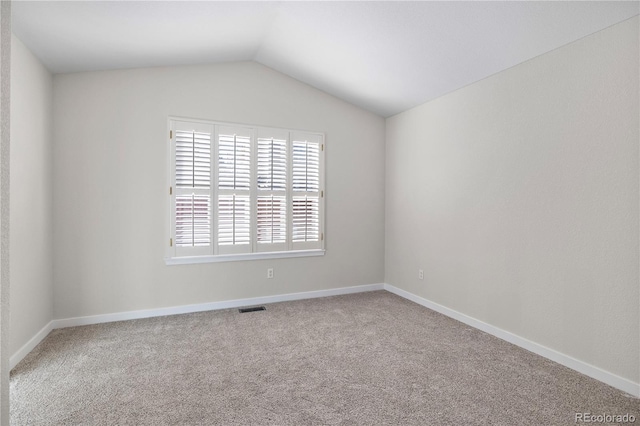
184	309
566	360
28	347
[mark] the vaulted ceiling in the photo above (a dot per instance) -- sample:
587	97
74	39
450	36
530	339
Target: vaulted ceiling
385	57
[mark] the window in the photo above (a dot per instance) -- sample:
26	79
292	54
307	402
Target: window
244	192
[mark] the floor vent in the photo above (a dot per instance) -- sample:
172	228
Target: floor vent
254	309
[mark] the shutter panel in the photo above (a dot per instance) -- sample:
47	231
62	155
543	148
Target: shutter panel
234	215
306	199
306	166
193	221
191	216
234	220
306	219
272	219
272	164
193	159
271	201
234	162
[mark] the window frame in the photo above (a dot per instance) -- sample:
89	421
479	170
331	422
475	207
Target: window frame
289	249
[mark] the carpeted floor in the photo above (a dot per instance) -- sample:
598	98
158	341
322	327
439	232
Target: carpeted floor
368	358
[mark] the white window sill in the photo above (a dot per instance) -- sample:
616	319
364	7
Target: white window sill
245	256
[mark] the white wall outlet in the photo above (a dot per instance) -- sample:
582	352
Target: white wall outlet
270	273
420	274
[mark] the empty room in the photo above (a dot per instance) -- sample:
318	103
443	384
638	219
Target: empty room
310	213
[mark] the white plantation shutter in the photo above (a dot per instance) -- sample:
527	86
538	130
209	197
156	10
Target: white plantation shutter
193	221
191	188
272	164
193	159
271	203
234	161
272	220
306	219
234	220
234	189
306	166
306	195
237	190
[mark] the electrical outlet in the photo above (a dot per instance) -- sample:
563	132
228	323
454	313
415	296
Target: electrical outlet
420	274
270	273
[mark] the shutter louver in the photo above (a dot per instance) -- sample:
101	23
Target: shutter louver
272	219
234	162
272	164
193	221
306	219
193	159
234	220
306	166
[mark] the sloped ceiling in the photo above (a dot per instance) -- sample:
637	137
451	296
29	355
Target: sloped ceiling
385	57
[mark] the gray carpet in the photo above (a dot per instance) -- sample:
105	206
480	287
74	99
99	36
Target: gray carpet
369	358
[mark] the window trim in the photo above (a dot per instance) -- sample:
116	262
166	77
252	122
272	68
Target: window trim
170	253
210	258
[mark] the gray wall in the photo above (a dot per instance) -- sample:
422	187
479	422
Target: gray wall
111	189
31	196
5	243
518	196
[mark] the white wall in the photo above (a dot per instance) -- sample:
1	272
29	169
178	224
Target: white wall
31	262
518	196
111	199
